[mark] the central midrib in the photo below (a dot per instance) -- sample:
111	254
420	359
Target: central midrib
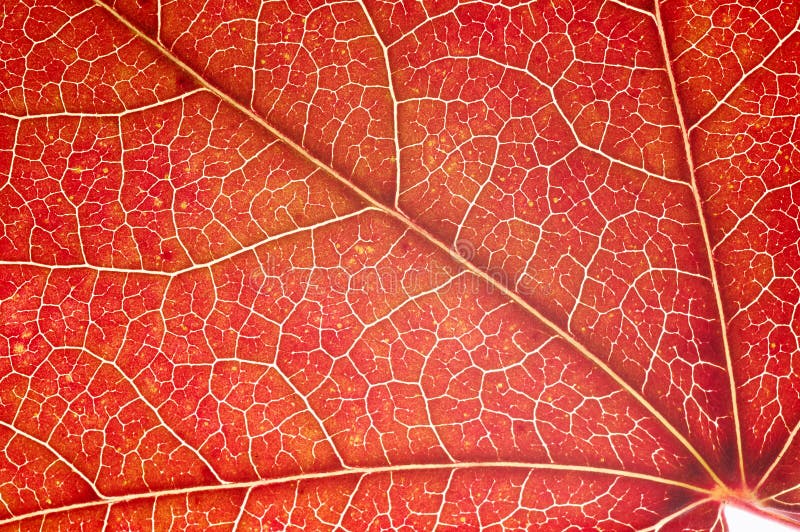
698	205
338	473
468	266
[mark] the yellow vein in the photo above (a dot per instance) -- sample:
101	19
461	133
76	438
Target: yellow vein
776	496
686	509
779	457
706	238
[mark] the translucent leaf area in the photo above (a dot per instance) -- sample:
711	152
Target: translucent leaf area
399	265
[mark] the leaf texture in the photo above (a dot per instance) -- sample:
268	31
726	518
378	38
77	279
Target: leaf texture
372	265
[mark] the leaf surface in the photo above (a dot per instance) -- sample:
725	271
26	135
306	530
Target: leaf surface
398	265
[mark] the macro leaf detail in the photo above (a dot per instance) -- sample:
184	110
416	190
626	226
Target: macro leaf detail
374	264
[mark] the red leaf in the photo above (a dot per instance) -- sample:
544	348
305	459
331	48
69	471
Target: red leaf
382	265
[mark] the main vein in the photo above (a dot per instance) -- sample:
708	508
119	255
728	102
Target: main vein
410	468
698	203
424	233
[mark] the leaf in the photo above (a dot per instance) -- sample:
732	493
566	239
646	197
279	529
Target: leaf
398	265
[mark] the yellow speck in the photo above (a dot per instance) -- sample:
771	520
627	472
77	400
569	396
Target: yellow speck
556	200
105	170
184	205
339	325
19	348
530	203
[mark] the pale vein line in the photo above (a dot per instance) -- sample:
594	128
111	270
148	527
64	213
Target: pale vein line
105	518
402	219
670	517
358	471
242	507
349	504
311	411
199	265
158	21
746	75
633	8
133	110
474	203
58	455
751	213
781	493
706	238
154	410
444	500
390	87
255	55
777	460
